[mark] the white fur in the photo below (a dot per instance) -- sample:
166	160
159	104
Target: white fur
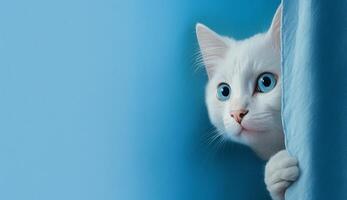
239	63
280	171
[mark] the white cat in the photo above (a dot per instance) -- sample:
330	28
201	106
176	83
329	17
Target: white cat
243	97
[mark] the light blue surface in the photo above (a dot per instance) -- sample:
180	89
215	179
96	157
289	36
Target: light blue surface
314	96
100	100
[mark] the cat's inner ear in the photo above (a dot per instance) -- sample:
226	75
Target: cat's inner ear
213	47
275	28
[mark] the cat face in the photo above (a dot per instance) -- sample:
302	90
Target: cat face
243	95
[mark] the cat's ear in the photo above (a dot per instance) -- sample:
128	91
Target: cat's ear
275	28
212	47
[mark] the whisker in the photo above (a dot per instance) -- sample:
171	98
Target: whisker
209	136
213	138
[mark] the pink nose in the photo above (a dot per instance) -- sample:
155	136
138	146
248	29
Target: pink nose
238	115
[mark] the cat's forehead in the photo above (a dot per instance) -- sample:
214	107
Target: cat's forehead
250	57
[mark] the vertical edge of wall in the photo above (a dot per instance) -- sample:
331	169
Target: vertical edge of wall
314	101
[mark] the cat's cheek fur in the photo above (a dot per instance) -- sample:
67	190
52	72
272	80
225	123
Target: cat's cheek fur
214	107
219	114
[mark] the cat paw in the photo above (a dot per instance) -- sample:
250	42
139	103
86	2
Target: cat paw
280	171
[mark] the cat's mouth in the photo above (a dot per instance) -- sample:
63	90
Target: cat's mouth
242	130
253	126
245	129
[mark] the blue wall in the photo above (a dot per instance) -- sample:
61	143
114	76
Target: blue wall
100	100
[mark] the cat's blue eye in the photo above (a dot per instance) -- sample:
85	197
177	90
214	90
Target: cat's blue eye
266	82
223	91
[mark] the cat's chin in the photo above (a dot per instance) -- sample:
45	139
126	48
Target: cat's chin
250	133
246	128
251	126
242	135
245	131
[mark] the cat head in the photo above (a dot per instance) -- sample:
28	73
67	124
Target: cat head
243	94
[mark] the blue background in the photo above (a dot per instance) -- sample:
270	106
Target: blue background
101	100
